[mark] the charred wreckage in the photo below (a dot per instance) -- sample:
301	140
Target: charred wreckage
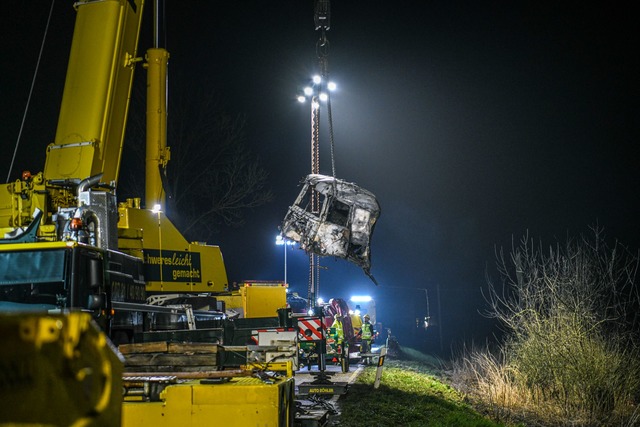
340	226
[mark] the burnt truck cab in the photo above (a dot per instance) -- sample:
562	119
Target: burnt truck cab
340	223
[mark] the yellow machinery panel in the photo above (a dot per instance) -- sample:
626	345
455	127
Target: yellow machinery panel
243	401
71	160
18	200
171	263
263	300
58	370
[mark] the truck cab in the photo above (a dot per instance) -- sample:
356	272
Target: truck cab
56	277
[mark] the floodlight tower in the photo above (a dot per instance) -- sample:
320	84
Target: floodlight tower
281	241
317	93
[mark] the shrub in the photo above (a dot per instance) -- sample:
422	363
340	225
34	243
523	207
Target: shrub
570	353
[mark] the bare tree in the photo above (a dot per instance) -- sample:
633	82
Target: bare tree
585	276
213	178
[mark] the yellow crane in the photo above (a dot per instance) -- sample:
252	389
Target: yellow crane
77	247
71	255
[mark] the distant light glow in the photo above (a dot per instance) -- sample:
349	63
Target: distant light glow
308	91
282	241
156	208
331	86
317	79
310	312
323	96
320	301
361	298
301	98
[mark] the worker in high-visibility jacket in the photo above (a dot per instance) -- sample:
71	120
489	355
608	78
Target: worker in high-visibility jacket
342	347
339	330
366	335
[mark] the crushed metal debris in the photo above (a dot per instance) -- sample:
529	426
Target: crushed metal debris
340	224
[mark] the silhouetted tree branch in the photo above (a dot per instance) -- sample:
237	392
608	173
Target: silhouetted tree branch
213	176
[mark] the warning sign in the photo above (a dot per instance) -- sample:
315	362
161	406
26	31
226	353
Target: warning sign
309	329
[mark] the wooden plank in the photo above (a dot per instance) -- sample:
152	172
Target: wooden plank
193	375
144	347
194	347
156	359
235	348
155	370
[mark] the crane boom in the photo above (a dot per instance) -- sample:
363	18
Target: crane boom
95	101
74	197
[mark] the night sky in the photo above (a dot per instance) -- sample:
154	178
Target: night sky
472	122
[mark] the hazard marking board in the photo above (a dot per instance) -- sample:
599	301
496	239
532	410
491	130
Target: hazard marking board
310	329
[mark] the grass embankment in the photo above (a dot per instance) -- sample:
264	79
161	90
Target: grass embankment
409	395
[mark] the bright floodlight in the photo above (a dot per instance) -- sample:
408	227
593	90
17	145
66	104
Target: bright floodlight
331	86
301	98
282	241
361	298
310	312
323	96
308	91
320	301
156	208
317	79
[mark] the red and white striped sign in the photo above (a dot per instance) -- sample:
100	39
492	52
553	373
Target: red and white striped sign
309	329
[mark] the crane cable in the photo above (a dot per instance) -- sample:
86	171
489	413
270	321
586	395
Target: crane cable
33	82
322	20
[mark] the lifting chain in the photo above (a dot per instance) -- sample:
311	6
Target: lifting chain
322	21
